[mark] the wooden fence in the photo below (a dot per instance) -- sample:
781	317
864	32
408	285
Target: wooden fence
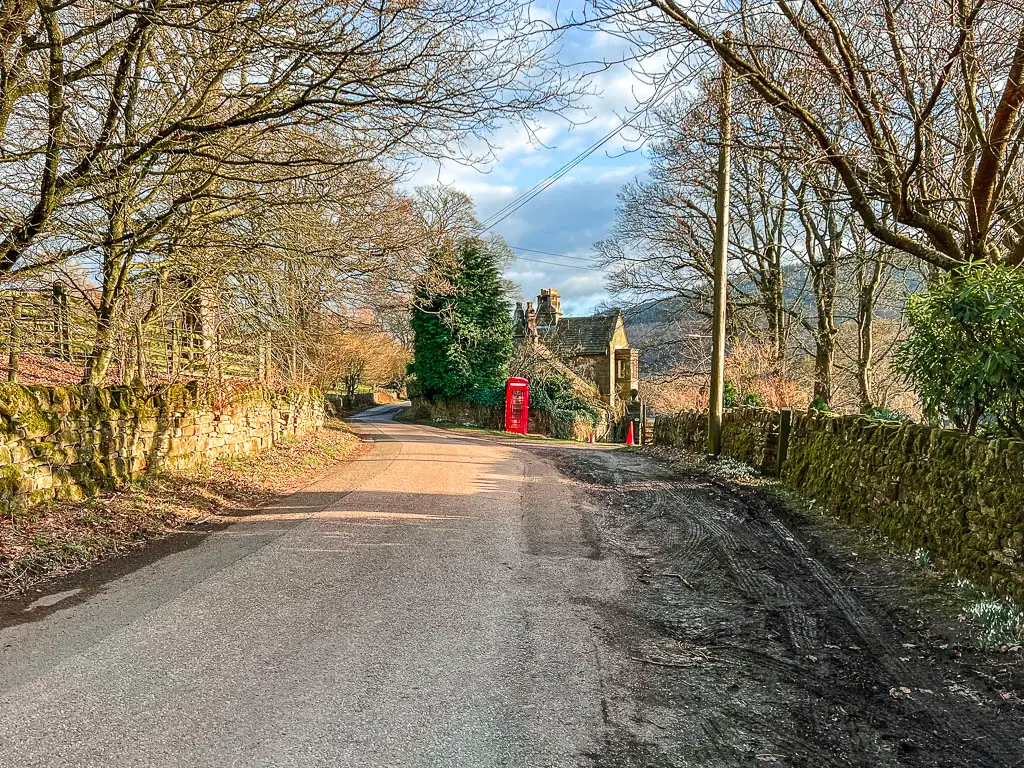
47	337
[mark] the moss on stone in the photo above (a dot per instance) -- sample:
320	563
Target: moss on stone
87	438
16	399
37	423
13	482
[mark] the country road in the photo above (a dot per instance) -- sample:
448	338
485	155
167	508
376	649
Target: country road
423	605
456	600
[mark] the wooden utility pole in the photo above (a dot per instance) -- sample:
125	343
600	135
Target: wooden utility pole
716	400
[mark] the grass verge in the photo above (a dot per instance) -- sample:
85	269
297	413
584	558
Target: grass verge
59	537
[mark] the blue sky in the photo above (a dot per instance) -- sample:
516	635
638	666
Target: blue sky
577	210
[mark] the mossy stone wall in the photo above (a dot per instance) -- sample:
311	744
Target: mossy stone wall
459	412
747	433
688	429
69	442
961	498
493	417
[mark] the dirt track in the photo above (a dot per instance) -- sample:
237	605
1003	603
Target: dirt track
754	641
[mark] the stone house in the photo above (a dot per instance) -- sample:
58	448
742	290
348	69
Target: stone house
596	348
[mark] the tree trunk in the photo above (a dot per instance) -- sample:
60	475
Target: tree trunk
825	332
865	345
775	313
824	353
871	263
864	367
98	362
116	260
351	385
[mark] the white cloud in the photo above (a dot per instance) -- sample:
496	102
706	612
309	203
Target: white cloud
619	175
577	210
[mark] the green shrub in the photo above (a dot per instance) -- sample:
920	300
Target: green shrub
820	404
753	399
882	413
491	396
556	396
412	387
965	352
731	396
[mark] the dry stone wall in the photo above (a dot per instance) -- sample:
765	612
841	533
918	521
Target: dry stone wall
961	498
748	434
459	412
69	442
493	417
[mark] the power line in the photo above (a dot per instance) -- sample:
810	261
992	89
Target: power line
527	196
588	259
556	264
508	209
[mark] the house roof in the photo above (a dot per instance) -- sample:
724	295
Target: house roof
534	360
574	336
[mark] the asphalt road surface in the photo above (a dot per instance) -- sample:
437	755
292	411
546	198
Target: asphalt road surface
428	604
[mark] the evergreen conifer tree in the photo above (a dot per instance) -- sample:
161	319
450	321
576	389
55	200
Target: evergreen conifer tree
463	338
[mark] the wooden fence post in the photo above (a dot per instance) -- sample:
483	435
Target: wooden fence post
15	339
174	359
268	358
261	360
785	427
140	353
61	323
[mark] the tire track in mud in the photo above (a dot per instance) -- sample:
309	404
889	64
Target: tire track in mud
750	566
749	649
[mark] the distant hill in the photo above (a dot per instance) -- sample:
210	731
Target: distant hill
667	330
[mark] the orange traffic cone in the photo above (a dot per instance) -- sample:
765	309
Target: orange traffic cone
629	434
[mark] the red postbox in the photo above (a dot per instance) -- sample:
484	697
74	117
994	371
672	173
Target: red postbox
517	405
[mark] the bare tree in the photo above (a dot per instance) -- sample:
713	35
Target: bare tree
915	105
660	243
826	226
102	99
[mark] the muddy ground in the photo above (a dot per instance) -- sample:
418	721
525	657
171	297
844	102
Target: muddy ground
757	635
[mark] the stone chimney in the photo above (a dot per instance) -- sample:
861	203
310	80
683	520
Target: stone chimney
519	320
549	308
531	321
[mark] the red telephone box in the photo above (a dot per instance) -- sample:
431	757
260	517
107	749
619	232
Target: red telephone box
517	405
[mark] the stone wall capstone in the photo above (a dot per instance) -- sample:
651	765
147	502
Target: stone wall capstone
959	497
70	442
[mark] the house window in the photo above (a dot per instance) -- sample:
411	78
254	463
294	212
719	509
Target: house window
622	369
